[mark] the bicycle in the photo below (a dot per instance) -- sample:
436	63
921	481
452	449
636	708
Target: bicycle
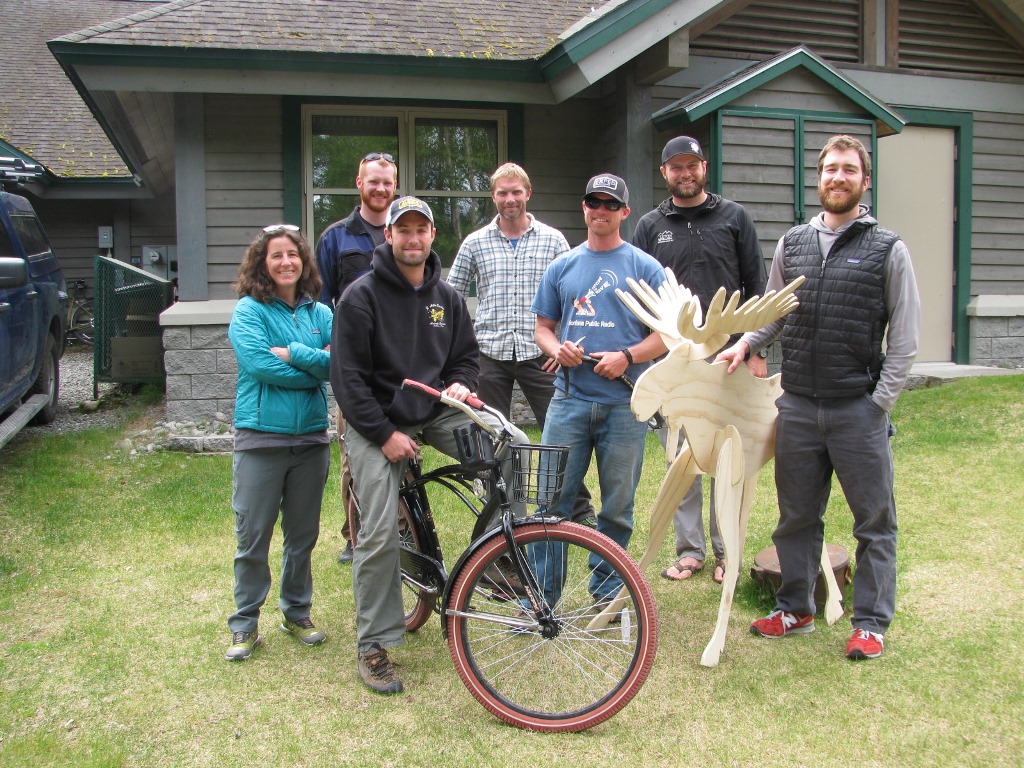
527	637
80	318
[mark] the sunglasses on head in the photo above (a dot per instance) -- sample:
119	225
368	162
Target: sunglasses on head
593	203
378	156
275	228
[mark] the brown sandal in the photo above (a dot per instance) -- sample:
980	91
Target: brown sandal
693	566
719	566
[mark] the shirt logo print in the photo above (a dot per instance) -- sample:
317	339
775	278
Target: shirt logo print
665	237
436	314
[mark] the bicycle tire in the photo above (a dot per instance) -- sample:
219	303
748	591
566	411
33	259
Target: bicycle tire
572	679
417	603
83	323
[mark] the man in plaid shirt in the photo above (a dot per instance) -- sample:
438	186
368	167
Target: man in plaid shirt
507	259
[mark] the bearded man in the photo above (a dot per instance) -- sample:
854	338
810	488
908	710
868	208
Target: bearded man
708	242
846	354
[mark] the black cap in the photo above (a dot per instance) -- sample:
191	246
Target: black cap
404	205
611	185
681	145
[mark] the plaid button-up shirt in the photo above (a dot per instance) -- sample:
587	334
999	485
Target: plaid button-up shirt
506	281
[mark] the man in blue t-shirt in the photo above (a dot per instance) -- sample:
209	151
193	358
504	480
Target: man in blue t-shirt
578	314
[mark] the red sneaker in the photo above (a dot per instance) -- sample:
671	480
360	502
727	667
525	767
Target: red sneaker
780	623
864	645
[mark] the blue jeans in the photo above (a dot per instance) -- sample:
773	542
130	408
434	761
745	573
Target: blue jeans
612	434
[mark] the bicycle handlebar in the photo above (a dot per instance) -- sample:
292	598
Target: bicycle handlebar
471	407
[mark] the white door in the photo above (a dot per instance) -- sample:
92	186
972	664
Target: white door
914	190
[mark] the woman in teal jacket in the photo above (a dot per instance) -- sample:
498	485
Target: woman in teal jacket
281	336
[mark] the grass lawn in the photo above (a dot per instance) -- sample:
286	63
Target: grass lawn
116	583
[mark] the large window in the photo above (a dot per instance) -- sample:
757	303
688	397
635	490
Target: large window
445	157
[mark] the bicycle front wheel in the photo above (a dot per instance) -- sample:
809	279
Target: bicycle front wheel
568	674
82	324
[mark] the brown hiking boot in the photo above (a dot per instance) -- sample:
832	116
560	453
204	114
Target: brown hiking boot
376	670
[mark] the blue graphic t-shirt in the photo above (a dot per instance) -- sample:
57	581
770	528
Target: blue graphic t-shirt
578	291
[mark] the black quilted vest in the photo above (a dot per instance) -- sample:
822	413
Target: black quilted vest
832	343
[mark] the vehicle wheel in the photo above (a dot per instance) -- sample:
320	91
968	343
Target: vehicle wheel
83	324
568	674
47	382
417	603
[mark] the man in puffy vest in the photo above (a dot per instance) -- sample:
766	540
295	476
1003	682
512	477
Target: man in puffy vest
839	384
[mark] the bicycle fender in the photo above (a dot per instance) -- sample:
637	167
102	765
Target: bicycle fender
477	544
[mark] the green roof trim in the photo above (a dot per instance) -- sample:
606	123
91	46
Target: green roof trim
75	54
598	33
718	95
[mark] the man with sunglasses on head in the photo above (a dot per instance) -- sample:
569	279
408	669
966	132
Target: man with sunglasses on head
708	242
343	253
578	315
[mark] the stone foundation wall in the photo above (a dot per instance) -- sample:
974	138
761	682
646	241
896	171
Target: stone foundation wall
201	372
997	341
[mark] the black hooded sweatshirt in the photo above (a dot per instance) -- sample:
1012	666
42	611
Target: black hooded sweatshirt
386	331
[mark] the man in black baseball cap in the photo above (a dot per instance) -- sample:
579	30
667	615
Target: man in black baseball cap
709	243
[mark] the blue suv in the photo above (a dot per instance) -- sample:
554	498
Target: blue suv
32	319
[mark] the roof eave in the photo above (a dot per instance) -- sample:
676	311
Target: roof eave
713	98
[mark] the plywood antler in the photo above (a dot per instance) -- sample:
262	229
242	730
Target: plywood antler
662	306
724	319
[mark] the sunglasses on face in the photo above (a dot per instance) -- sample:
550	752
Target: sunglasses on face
278	228
378	156
593	203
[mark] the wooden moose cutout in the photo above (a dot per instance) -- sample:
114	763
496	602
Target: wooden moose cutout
728	420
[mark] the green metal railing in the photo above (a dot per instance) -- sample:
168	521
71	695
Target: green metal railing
128	303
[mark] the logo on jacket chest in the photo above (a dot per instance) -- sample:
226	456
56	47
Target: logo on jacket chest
665	237
436	316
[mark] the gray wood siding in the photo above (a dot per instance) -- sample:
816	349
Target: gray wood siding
997	236
832	29
558	144
954	36
244	180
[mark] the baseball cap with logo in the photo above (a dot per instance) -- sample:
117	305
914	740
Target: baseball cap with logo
609	184
681	145
404	205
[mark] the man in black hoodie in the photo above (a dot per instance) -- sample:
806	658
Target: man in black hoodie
399	321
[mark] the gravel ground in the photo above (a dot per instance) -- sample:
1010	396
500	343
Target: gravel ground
76	387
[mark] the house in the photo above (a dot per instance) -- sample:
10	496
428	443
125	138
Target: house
227	115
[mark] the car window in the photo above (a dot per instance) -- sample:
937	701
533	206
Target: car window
31	235
6	246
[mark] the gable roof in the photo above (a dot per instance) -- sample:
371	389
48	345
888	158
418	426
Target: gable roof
41	115
755	75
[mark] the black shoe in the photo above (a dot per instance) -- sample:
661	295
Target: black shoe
376	670
346	554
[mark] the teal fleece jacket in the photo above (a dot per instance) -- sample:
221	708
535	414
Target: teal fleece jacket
272	395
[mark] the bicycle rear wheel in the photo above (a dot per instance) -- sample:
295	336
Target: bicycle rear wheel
418	603
82	324
569	674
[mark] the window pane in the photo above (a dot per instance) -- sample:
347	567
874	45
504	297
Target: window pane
341	141
455	155
328	209
32	238
456	217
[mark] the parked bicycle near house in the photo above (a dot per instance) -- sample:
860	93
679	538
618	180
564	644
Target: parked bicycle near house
81	319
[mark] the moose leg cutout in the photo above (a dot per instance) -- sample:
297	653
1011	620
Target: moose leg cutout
728	421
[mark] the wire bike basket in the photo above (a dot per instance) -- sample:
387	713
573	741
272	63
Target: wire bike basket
537	473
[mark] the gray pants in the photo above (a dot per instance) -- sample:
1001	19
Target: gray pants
269	481
688	520
376	573
813	439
